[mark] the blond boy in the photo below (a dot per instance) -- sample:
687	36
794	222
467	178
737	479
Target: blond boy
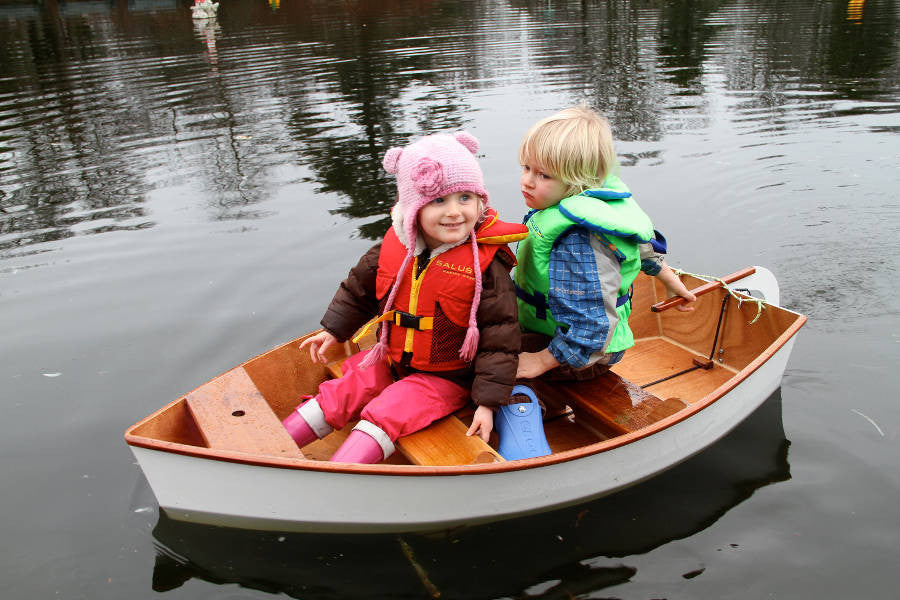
588	239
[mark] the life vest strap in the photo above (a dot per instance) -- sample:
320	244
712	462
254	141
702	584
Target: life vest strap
623	300
537	299
540	304
620	256
399	318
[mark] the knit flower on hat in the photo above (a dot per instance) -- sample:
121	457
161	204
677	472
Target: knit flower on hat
428	176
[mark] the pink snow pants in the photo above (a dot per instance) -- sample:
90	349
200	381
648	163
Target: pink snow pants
397	407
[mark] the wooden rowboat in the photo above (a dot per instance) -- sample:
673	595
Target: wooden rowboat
219	455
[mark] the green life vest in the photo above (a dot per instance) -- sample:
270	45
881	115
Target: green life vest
614	217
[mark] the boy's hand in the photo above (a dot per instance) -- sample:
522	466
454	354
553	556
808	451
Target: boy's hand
482	423
535	364
318	344
689	297
675	287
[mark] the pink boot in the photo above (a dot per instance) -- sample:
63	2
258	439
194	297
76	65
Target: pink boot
307	424
299	429
359	447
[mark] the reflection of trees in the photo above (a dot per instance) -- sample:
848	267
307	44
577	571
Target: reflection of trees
807	48
98	110
643	63
67	170
344	140
616	74
635	62
861	52
121	116
602	54
683	38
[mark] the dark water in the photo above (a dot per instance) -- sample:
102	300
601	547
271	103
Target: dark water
176	197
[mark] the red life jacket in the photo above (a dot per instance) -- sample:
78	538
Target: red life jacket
428	337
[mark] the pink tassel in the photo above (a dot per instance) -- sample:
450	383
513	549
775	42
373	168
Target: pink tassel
379	351
470	344
376	353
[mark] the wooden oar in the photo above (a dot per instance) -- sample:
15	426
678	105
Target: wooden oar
703	289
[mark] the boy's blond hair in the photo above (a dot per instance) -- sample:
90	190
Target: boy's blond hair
575	146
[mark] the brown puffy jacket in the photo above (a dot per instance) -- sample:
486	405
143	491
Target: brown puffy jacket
492	372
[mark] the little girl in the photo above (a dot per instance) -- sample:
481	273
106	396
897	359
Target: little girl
587	241
448	324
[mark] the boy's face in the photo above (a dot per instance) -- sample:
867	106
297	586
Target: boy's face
449	219
539	189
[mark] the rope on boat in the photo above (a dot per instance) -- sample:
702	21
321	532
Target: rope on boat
760	303
760	306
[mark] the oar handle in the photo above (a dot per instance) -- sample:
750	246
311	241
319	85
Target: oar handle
703	289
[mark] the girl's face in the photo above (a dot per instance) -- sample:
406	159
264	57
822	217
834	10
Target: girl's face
539	189
449	219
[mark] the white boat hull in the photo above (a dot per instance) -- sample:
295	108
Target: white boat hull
263	497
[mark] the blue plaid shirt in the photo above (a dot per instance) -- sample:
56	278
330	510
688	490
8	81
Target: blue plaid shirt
576	298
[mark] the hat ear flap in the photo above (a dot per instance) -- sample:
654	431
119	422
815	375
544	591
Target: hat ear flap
468	140
391	160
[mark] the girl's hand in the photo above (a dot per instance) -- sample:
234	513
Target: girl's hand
318	344
482	423
535	364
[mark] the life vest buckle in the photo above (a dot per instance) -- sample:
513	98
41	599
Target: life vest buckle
408	320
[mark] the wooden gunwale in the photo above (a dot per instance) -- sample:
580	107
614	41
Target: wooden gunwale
486	468
703	289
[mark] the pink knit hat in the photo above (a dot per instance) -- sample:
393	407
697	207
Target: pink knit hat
429	168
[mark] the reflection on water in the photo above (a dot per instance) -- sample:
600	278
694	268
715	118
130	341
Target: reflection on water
565	553
207	31
103	102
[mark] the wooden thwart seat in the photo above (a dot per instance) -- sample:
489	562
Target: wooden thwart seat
445	442
232	415
609	403
442	443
